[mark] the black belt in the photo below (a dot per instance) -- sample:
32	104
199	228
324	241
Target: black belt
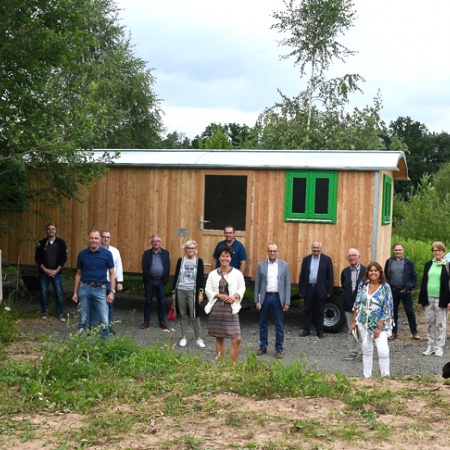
313	285
92	284
271	293
155	278
398	288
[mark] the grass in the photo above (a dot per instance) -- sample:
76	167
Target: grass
117	386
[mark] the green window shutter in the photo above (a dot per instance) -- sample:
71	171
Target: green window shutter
386	215
311	196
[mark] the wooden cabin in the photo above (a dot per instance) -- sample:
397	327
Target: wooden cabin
343	198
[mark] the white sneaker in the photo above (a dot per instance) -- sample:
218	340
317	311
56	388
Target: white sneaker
429	351
183	342
200	343
439	351
61	318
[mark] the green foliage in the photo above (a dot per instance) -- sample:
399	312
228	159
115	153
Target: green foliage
69	83
426	152
418	251
225	136
285	126
425	214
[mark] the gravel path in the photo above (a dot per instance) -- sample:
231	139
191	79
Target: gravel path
319	354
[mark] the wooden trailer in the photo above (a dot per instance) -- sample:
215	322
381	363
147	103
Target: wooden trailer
343	198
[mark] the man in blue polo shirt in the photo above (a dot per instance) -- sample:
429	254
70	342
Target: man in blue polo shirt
239	259
90	282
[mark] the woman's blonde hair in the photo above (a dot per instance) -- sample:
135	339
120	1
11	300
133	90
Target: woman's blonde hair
438	245
188	243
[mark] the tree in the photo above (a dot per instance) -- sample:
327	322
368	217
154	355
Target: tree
425	214
314	27
286	126
176	140
233	135
426	152
69	82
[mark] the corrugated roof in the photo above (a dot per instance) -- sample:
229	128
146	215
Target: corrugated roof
359	160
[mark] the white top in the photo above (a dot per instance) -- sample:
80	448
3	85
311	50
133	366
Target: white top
236	285
117	264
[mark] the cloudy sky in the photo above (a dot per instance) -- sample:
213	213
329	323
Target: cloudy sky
218	61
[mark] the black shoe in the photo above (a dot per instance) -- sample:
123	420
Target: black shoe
304	333
112	331
321	336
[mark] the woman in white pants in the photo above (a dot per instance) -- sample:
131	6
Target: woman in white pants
372	314
434	296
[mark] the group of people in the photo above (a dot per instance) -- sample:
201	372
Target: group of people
371	295
99	273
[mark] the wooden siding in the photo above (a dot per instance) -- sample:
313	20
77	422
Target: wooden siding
133	203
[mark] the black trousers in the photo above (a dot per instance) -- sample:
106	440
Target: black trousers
314	310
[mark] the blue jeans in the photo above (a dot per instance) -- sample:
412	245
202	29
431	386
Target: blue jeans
271	304
56	281
158	287
93	316
407	300
95	297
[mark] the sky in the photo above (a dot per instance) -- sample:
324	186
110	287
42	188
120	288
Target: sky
219	61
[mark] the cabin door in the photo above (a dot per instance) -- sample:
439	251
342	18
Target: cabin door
225	200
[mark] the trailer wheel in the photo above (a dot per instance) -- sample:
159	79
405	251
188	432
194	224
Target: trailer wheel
334	318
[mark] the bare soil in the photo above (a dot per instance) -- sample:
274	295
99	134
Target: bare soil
229	421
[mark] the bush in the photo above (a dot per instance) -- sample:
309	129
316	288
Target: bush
418	251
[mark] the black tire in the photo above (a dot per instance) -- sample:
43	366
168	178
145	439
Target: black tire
334	318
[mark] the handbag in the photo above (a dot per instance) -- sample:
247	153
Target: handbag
172	316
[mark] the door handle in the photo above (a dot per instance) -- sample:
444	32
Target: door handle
202	222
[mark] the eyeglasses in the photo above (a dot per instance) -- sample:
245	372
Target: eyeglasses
191	248
437	250
106	237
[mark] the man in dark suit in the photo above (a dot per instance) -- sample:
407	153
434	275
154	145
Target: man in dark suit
315	286
155	270
351	277
272	294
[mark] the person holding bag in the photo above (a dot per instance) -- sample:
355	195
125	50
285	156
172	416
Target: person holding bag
189	281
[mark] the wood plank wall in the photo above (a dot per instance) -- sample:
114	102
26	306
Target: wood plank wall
134	203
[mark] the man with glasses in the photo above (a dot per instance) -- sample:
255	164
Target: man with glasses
50	256
351	277
106	243
272	295
155	270
239	259
402	276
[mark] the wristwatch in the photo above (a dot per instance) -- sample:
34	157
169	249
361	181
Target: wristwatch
113	291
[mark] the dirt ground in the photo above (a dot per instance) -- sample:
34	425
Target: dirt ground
236	422
229	421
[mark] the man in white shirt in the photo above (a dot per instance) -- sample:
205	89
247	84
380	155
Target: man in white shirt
272	294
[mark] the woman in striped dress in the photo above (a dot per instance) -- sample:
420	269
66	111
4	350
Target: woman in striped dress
225	289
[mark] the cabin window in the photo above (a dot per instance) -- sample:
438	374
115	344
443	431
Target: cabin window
387	200
225	202
311	196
